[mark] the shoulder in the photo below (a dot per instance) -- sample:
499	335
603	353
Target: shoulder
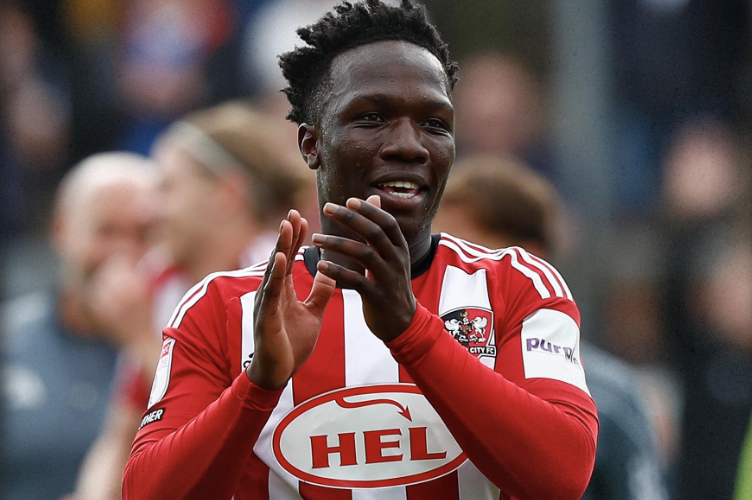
513	265
217	288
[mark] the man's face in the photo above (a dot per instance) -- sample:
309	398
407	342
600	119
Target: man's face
112	219
187	194
387	128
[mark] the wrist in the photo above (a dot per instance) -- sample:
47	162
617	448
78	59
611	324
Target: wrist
256	375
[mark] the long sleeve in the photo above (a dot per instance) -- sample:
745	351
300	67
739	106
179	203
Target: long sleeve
204	416
205	458
510	434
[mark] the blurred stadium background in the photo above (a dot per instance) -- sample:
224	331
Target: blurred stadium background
637	110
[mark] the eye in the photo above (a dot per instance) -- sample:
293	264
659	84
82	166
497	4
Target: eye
437	125
371	118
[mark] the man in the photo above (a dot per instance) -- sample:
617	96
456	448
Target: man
501	202
358	391
57	366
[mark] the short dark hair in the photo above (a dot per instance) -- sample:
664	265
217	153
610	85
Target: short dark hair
349	26
506	197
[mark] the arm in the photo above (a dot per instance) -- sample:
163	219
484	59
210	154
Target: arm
529	446
199	445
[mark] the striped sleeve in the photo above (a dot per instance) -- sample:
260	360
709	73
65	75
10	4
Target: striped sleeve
199	430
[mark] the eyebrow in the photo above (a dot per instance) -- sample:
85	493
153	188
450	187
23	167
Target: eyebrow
379	98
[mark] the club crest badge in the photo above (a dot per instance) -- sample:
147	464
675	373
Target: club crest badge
472	327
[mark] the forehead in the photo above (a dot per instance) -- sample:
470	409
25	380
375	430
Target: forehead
392	68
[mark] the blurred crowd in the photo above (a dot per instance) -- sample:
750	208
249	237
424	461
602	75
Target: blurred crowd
143	146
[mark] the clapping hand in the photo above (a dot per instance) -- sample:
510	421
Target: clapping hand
286	329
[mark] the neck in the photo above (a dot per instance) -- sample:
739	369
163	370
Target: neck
419	245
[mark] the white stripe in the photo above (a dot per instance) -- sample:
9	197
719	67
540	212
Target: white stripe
558	275
474	485
367	359
280	490
460	290
247	342
282	484
554	282
199	290
392	493
500	254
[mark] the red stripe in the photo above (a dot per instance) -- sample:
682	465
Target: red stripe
325	369
445	487
428	287
312	492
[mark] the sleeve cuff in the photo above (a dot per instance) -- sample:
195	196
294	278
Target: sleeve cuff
419	337
255	397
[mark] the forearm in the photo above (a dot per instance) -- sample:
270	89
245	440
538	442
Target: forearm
528	447
206	457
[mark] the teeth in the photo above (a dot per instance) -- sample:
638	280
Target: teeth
401	185
403	195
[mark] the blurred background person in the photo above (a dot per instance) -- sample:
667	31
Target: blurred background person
500	108
226	182
708	298
58	367
501	202
35	120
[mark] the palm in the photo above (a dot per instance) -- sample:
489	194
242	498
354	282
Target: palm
286	328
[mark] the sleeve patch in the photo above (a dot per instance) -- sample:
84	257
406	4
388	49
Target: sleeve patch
151	417
162	375
551	348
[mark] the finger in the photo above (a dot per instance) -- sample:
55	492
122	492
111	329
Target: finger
364	254
270	294
284	227
301	229
384	219
367	228
374	200
322	290
346	277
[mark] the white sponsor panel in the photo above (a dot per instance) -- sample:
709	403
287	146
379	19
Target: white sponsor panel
551	348
468	293
162	375
366	437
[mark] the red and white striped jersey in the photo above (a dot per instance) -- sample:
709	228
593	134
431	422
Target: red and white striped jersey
484	396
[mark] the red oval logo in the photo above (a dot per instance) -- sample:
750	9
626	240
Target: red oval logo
366	437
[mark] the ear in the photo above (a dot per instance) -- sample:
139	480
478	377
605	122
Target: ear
308	141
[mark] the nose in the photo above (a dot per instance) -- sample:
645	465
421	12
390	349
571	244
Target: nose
403	142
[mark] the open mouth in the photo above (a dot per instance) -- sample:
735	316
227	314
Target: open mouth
400	189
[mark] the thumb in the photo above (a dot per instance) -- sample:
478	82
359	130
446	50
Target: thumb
374	200
321	292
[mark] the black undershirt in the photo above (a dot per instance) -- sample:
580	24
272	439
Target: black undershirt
312	255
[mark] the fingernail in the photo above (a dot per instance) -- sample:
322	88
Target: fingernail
318	238
330	208
354	203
